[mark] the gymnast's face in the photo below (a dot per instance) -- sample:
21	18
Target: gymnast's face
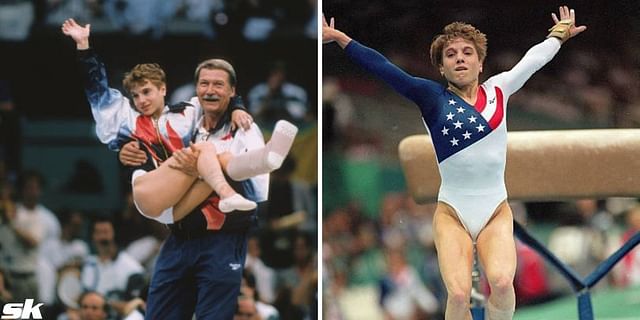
149	98
461	65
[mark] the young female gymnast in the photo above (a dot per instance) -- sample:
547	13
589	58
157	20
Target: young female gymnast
467	124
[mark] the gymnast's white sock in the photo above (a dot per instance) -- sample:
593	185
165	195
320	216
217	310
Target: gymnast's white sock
266	159
236	202
494	313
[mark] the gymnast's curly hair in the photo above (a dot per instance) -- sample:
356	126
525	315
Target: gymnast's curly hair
457	30
142	73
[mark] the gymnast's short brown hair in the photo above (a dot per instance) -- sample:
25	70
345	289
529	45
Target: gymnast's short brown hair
142	73
453	31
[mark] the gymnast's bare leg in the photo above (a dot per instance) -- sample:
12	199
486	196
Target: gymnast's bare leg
455	258
497	254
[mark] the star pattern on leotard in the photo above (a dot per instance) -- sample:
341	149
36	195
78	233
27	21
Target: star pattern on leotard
462	126
450	116
458	125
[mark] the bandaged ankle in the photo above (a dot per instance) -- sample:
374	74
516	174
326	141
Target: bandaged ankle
266	159
211	172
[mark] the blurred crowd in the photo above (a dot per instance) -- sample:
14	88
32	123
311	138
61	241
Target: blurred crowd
257	20
65	257
390	259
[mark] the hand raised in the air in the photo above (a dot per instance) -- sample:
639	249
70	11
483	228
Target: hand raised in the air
78	33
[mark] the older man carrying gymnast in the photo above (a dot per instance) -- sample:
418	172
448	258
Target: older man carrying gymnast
199	268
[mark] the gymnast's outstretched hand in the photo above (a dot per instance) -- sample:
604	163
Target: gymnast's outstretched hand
78	33
331	34
565	27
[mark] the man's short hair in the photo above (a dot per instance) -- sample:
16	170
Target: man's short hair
217	64
105	304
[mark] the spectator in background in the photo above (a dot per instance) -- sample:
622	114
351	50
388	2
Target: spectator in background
30	209
624	83
69	249
7	206
5	288
7	210
264	281
110	272
147	17
403	295
337	112
31	184
131	224
206	14
276	98
57	11
93	306
257	19
145	249
627	272
16	18
248	289
298	284
20	237
594	213
246	309
578	244
140	237
310	28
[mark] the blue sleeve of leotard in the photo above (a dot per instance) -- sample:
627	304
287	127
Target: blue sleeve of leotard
413	88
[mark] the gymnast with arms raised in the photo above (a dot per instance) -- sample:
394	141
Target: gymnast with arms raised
161	191
467	124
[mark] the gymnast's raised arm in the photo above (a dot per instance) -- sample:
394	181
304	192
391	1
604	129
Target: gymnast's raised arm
540	54
413	88
110	109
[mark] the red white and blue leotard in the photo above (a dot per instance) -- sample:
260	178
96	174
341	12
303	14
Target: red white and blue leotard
470	140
